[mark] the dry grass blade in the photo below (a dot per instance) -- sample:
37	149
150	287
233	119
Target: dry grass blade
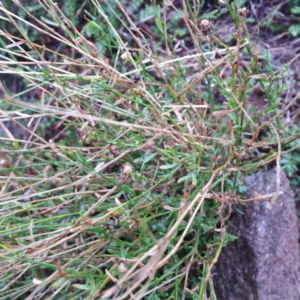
126	130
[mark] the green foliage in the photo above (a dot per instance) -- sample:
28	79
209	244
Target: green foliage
295	10
291	161
130	162
294	30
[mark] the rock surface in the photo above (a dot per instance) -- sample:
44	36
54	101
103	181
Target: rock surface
263	263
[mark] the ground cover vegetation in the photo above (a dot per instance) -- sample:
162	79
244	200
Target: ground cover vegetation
127	130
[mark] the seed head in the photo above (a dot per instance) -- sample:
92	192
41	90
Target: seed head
127	168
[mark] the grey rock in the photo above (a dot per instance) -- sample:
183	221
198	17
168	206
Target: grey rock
263	263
